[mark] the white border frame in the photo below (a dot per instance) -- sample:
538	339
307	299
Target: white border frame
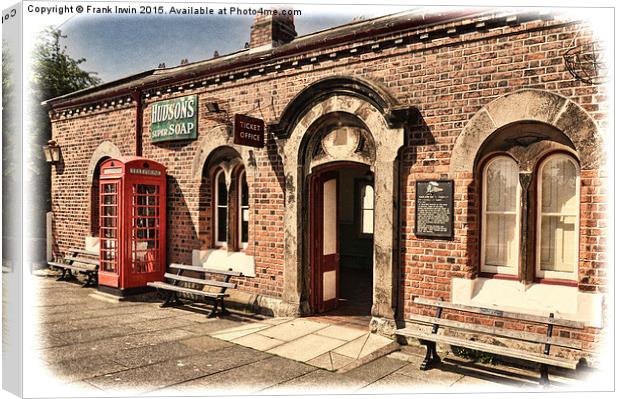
242	245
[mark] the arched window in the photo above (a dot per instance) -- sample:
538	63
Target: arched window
557	218
244	210
500	216
220	207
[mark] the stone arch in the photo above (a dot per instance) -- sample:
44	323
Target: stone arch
213	142
388	140
529	105
106	149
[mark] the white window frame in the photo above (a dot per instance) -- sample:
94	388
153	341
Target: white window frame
216	202
549	274
494	269
241	207
362	192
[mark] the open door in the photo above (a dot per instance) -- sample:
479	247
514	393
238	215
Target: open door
326	256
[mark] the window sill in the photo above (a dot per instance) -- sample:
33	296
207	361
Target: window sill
565	302
221	259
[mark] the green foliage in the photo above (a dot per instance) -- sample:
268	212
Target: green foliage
472	354
55	72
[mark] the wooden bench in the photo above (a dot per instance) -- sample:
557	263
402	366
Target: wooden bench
544	359
80	261
178	283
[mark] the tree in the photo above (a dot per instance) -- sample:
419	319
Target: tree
54	74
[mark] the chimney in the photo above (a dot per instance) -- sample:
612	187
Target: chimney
269	31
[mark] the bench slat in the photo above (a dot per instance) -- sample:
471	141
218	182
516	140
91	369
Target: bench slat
83	260
509	352
85	268
212	283
170	287
204	270
501	332
500	313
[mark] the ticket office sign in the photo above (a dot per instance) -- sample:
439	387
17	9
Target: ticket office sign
249	131
434	208
174	119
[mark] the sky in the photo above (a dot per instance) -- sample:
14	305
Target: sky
115	46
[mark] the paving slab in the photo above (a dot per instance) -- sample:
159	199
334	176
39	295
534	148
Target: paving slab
211	325
368	373
112	345
247	379
239	331
363	346
293	329
331	361
322	381
342	332
160	324
151	354
258	341
92	334
307	347
89	367
176	371
435	376
205	343
396	383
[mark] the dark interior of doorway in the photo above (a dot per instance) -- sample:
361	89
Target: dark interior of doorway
356	253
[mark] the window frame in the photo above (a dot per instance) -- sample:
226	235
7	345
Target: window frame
539	274
216	175
494	270
241	176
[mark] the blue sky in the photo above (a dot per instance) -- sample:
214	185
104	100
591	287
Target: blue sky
115	46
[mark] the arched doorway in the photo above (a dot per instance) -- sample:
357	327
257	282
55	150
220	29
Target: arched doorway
341	231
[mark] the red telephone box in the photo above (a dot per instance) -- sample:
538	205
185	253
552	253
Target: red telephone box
132	228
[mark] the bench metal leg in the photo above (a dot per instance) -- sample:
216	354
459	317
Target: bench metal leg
214	309
91	280
62	276
223	311
431	358
172	300
544	375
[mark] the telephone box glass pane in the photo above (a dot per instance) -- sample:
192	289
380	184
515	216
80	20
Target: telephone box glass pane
145	229
108	232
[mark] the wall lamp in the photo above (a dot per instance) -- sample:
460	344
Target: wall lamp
213	107
52	152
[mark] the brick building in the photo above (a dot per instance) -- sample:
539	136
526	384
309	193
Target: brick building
359	118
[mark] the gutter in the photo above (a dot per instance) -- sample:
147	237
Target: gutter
272	55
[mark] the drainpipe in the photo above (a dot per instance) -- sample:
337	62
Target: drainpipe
137	96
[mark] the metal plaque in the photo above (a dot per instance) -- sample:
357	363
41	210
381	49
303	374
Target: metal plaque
174	119
434	208
249	131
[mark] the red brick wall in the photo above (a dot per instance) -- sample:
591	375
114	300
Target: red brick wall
448	80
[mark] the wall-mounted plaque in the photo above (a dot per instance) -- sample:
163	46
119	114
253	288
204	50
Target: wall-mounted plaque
174	119
434	208
249	131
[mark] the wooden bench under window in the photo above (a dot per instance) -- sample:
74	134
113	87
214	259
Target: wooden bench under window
543	358
80	261
217	281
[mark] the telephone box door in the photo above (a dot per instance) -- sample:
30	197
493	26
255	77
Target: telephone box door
109	232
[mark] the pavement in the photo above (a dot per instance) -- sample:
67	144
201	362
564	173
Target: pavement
95	347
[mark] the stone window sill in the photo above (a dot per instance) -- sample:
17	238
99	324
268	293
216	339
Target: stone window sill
564	302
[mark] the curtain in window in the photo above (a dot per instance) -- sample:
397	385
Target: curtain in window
244	208
221	220
558	216
500	224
